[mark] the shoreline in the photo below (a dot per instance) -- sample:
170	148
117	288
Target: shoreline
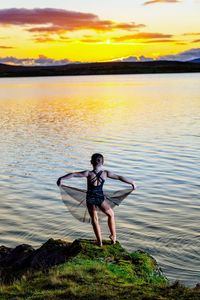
109	68
81	269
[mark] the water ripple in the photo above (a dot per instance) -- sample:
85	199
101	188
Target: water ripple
145	130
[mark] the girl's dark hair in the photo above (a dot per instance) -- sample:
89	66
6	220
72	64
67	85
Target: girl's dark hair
96	159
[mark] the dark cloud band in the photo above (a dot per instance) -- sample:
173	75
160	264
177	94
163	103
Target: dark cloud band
60	20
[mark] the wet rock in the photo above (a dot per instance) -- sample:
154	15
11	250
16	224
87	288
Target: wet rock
197	287
19	257
4	251
51	253
14	262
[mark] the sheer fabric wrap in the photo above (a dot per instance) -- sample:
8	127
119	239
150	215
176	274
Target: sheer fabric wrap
75	200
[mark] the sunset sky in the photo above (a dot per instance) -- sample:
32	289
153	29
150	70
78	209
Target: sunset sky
57	32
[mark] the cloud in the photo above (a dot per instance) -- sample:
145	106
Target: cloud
141	36
52	20
42	60
192	33
181	43
90	40
196	41
128	26
183	56
144	58
6	47
128	59
160	41
134	59
160	1
46	38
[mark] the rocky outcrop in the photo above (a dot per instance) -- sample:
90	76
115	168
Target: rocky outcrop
24	258
51	253
82	270
15	262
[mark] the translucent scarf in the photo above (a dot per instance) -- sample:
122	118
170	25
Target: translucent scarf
75	200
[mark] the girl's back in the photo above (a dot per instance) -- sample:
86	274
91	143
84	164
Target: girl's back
95	179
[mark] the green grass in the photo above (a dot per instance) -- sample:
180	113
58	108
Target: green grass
98	273
91	279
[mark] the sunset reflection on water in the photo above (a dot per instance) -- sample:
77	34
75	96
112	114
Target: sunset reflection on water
147	126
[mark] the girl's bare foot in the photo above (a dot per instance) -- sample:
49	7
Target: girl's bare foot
113	239
98	243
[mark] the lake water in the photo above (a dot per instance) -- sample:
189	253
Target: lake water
147	127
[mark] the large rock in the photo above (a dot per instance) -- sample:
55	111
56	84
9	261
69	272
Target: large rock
19	257
15	262
51	253
4	251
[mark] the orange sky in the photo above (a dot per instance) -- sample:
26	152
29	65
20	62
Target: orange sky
98	32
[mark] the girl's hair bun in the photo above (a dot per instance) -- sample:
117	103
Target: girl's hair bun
96	159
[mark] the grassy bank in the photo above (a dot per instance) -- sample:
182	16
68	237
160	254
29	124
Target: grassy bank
91	272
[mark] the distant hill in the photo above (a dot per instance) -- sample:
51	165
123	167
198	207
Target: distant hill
196	60
100	68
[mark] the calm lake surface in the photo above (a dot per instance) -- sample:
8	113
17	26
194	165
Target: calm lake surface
147	127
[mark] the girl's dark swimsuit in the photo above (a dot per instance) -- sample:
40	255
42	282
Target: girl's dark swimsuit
95	194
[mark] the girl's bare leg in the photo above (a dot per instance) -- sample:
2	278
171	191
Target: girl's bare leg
95	223
105	207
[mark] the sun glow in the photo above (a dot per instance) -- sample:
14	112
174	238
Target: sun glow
108	42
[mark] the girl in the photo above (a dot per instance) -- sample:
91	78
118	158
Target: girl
95	196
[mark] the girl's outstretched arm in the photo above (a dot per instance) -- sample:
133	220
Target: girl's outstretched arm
70	175
121	178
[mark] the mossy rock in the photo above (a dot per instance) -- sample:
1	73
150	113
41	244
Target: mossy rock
93	272
133	267
137	264
87	248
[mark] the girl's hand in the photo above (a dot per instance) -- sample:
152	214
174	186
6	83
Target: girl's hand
133	186
58	181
